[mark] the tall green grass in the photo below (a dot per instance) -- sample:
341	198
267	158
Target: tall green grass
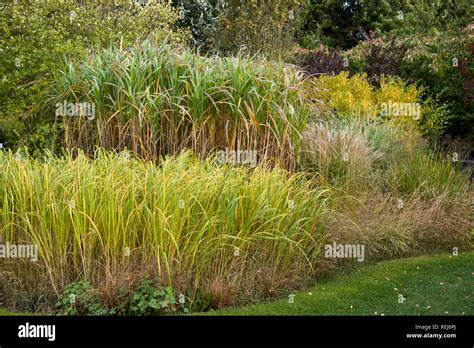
159	101
428	175
194	225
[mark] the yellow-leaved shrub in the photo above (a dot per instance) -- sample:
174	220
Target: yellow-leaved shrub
394	102
346	95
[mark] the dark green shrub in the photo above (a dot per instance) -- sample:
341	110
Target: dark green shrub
200	18
10	130
435	62
264	26
344	24
439	62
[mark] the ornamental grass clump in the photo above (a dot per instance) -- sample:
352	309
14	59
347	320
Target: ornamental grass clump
157	100
192	225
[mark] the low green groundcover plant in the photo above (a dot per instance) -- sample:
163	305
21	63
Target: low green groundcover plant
80	298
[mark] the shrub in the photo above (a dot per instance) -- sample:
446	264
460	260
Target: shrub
345	23
200	18
349	96
158	101
394	91
263	26
438	62
320	61
394	103
329	23
11	129
422	42
377	58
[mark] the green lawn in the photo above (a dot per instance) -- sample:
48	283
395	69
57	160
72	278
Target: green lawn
4	312
436	285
